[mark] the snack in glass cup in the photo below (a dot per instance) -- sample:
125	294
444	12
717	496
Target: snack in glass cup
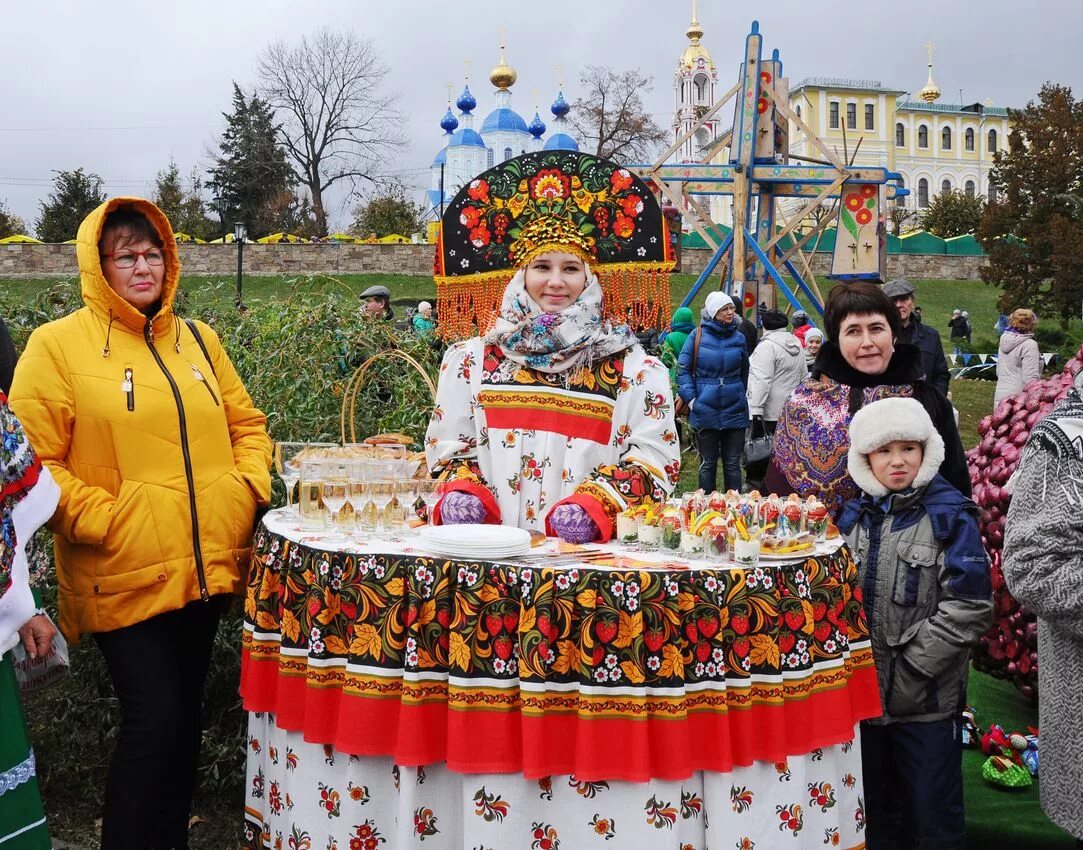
650	530
816	519
627	527
746	552
716	545
691	543
671	533
790	517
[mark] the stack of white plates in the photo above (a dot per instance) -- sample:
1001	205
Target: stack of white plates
481	542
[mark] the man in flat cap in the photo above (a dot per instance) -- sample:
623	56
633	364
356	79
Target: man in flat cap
933	363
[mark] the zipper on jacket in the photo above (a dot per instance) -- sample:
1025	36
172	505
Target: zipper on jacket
129	387
199	377
148	335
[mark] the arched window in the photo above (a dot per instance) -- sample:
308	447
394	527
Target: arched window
945	139
900	200
851	116
798	110
834	115
923	136
992	141
992	192
900	135
945	186
923	193
489	158
508	154
870	111
701	89
968	139
969	188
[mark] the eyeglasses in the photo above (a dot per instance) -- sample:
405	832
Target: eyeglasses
128	259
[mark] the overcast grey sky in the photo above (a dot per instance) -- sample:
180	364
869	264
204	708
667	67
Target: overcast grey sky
118	87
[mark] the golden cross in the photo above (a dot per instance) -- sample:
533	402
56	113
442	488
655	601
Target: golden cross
449	92
466	70
560	76
929	46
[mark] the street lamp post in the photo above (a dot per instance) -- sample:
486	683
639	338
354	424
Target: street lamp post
239	234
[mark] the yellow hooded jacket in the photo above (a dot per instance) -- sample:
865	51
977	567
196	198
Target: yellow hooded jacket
161	457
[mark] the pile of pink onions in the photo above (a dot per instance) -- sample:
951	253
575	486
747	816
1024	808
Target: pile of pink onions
1009	650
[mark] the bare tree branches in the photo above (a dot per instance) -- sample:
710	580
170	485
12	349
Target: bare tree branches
610	117
336	124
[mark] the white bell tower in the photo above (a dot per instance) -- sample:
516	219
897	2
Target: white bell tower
693	94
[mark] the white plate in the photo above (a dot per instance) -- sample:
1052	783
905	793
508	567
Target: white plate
492	541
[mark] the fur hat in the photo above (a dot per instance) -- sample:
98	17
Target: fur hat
773	320
883	422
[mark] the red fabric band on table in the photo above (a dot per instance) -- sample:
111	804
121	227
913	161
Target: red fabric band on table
465	485
594	510
598	749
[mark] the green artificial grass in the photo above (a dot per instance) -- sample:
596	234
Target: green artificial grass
995	817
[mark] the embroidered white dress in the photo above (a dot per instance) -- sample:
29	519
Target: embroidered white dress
532	439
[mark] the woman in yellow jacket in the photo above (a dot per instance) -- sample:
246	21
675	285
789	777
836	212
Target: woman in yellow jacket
162	460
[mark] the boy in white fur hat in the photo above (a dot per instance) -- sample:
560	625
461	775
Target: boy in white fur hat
927	596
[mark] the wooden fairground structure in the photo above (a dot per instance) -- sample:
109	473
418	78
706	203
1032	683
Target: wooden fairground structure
765	242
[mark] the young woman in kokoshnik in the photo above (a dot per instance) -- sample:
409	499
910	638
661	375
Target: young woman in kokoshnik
554	417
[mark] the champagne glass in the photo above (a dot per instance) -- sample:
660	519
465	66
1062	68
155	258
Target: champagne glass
407	497
429	490
287	458
382	493
310	501
336	492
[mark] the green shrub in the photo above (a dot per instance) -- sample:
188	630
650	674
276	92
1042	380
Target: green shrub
295	357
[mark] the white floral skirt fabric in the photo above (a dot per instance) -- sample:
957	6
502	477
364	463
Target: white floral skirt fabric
304	796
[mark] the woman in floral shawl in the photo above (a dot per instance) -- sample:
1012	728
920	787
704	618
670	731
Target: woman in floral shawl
554	417
28	497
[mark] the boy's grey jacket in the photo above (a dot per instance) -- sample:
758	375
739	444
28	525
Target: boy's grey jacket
927	595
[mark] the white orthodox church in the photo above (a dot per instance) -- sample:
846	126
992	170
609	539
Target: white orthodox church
503	134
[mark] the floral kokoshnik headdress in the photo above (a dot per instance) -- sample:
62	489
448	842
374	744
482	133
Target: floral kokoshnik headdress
552	201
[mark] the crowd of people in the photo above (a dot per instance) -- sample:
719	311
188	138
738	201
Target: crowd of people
151	545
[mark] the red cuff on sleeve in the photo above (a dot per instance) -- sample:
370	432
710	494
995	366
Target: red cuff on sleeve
464	485
594	510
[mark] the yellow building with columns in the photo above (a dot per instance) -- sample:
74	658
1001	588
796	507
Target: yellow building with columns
934	146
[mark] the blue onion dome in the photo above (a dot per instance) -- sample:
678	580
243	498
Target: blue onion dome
504	118
560	106
466	138
561	142
466	102
537	126
449	123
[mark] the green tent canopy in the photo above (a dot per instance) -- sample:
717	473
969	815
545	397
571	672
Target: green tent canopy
965	245
921	242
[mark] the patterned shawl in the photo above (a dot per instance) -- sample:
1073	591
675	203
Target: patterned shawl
812	440
556	342
28	497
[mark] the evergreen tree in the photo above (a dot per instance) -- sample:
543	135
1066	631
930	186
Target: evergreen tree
953	214
183	207
251	167
75	195
1030	233
10	224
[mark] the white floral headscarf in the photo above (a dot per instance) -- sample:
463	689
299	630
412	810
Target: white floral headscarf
556	342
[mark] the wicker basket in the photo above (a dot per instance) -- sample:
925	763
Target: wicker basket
357	380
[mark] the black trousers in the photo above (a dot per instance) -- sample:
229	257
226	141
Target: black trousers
914	785
158	668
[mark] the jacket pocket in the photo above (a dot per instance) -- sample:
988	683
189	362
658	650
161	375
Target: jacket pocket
910	691
916	576
129	581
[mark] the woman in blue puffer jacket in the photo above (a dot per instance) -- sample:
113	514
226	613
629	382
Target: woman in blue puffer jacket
713	384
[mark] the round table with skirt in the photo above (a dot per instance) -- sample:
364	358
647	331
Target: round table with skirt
586	697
